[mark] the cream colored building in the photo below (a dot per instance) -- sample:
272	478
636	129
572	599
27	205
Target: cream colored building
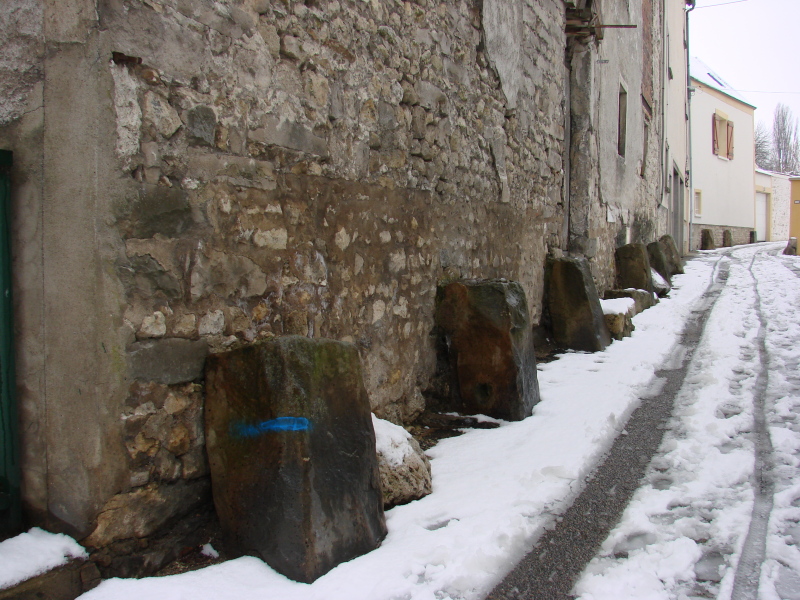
794	223
723	158
674	213
772	206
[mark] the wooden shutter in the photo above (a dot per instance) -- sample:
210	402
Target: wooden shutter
714	137
730	140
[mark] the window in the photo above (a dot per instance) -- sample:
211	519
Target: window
722	135
623	121
698	203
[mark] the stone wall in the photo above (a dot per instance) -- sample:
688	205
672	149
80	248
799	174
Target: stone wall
218	172
615	197
328	165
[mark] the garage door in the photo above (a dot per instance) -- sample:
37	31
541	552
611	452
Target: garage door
761	217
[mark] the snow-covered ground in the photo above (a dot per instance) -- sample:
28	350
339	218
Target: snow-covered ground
35	552
496	490
685	531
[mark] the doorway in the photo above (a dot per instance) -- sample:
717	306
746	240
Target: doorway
677	226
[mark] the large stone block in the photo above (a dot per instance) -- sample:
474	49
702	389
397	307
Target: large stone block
727	238
633	267
657	255
673	256
489	348
707	240
292	453
574	306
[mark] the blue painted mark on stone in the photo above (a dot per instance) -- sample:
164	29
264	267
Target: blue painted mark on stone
273	425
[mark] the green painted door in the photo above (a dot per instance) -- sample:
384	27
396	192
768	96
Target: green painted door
10	514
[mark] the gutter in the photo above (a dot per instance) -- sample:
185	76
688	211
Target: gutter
690	177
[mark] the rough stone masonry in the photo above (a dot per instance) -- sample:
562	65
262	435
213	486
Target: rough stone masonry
221	172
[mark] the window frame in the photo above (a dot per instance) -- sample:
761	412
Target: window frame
722	128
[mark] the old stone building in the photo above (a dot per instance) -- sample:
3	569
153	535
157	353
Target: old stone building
192	176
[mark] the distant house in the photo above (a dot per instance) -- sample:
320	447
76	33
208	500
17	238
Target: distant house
772	206
794	224
723	158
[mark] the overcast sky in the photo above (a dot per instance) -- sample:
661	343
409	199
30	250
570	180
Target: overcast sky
755	46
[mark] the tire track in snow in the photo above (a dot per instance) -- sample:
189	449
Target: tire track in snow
751	559
780	571
688	523
550	570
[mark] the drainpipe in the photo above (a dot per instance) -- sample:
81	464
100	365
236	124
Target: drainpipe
690	178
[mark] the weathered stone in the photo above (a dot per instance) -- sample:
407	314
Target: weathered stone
661	286
619	314
727	238
292	47
194	464
226	275
178	441
707	240
643	300
633	267
657	255
153	326
170	360
157	111
619	325
133	557
146	510
212	323
201	125
791	247
292	454
289	135
673	256
404	468
185	325
158	210
487	348
574	307
148	277
167	467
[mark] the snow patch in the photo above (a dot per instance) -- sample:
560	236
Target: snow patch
391	441
617	306
33	553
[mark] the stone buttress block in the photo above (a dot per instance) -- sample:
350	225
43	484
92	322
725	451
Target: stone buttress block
633	267
489	348
573	304
291	448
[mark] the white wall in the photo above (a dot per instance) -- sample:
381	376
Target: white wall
778	188
727	185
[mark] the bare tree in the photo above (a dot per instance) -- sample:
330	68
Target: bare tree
785	141
763	142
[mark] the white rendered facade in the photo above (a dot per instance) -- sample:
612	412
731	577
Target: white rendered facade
723	162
